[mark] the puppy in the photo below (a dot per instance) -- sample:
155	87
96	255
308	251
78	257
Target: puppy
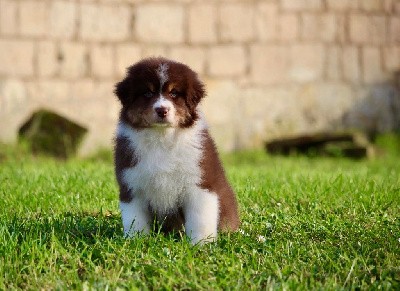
166	163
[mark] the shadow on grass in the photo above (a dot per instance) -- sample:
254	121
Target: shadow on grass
68	228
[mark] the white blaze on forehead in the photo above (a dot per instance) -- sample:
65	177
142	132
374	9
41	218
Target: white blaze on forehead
162	72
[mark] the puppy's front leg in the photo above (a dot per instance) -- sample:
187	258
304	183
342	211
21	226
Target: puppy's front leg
201	210
135	217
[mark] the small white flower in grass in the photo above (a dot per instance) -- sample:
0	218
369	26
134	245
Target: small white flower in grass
399	239
268	225
261	238
166	251
243	232
279	204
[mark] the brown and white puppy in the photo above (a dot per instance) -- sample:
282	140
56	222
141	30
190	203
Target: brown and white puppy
166	163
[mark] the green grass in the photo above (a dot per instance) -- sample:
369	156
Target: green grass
306	223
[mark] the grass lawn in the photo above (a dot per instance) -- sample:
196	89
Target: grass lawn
318	223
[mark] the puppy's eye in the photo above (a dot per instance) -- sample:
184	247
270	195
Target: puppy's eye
148	94
174	94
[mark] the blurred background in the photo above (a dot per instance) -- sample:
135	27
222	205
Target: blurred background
272	68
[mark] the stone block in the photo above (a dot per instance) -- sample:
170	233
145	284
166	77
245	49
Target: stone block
391	57
8	17
372	66
394	29
377	28
102	61
328	27
101	22
47	62
267	21
45	92
319	27
351	63
194	57
269	64
334	62
202	23
310	26
227	61
288	27
306	62
73	60
63	19
16	58
302	5
159	23
82	90
359	28
342	5
372	5
34	18
237	22
126	56
13	94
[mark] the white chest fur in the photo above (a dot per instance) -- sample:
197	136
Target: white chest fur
168	164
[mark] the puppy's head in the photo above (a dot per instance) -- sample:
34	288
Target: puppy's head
157	92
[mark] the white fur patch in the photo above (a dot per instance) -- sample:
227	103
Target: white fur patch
166	177
201	213
168	164
135	217
162	72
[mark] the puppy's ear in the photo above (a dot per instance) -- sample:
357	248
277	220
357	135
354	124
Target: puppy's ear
196	92
122	90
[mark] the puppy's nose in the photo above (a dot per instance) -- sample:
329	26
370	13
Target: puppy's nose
162	111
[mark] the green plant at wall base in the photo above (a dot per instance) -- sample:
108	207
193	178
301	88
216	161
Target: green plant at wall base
51	134
320	223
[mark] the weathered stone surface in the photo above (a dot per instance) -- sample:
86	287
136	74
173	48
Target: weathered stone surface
351	64
16	58
342	5
288	27
202	23
306	62
159	23
102	61
34	18
302	4
63	16
104	22
394	29
126	55
269	64
359	28
334	63
47	59
237	22
8	17
392	58
267	21
194	57
73	60
372	66
227	61
293	65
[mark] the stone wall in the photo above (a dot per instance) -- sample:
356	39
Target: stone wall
272	68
